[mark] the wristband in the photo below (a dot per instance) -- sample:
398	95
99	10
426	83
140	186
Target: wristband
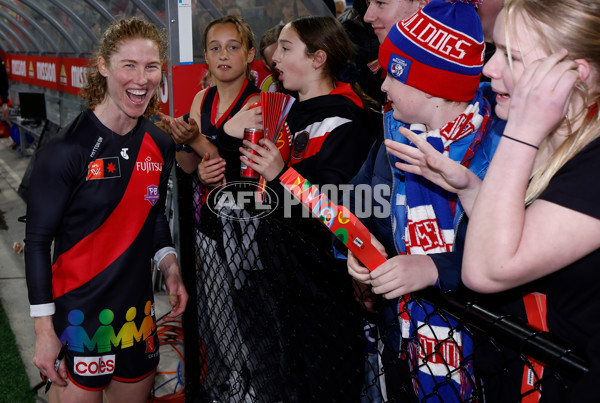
183	147
520	141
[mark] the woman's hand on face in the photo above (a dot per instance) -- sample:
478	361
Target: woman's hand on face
211	172
268	162
250	116
541	97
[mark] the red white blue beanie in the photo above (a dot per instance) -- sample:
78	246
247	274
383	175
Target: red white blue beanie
439	50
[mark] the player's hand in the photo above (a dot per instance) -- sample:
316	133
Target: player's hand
178	296
47	347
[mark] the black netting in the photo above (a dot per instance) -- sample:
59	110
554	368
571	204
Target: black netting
273	316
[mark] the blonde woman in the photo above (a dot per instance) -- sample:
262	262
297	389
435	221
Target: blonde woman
535	219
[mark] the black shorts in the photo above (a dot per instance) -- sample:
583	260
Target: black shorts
131	364
109	334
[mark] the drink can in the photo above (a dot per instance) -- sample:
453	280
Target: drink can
252	135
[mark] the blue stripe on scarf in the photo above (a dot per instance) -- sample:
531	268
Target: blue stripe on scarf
422	311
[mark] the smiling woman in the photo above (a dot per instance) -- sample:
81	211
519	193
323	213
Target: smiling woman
105	174
136	73
136	67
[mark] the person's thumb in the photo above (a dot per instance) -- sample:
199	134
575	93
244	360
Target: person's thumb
251	106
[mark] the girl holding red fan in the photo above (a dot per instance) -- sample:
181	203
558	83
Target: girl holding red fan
328	123
320	323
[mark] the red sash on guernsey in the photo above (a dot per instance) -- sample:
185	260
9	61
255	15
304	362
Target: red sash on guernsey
535	307
98	250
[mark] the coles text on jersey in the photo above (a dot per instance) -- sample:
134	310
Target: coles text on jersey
95	366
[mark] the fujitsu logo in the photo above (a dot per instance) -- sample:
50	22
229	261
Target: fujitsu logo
148	166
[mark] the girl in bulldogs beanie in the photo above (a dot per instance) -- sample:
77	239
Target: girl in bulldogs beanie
439	52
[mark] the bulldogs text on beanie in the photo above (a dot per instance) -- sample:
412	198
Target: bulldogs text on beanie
439	50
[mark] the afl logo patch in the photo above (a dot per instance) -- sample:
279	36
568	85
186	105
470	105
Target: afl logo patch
104	168
300	145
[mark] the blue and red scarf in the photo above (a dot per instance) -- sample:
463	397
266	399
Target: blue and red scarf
423	220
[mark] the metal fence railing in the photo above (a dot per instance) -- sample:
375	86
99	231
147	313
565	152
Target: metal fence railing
273	317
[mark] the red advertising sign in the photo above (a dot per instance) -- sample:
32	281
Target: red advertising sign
186	84
64	74
69	74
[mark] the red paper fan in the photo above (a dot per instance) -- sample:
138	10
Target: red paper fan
275	108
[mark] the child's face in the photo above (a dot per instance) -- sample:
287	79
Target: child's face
409	103
384	14
268	56
524	49
225	54
292	61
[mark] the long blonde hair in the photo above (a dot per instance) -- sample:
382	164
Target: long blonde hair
575	26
